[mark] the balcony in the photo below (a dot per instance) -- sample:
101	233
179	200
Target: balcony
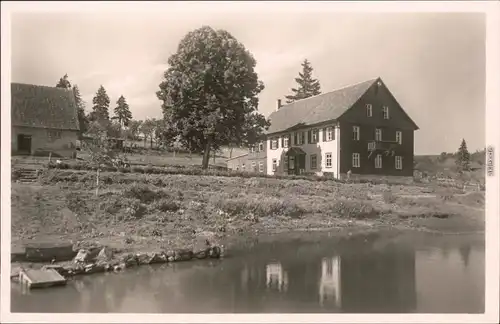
382	145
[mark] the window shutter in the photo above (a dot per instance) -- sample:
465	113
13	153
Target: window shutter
295	139
309	136
303	138
333	133
324	134
282	137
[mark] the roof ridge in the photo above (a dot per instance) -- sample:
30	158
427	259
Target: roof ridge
41	86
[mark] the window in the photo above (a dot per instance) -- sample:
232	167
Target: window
53	134
399	163
399	137
371	146
369	110
314	136
386	112
254	166
275	165
291	162
355	133
274	144
261	166
328	134
378	134
252	149
299	139
285	141
378	161
355	160
328	160
261	146
314	161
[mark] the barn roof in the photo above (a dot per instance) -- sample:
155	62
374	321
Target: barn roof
317	109
43	107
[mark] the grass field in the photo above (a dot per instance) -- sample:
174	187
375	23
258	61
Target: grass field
139	211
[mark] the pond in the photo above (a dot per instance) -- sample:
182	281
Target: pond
382	272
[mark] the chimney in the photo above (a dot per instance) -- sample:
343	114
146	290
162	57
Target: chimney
278	105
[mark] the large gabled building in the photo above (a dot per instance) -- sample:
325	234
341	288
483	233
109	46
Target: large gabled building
360	128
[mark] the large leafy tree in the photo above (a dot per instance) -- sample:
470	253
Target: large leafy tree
210	90
80	106
134	128
122	112
308	86
148	128
64	82
100	109
463	157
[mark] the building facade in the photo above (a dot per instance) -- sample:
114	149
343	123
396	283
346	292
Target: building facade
44	121
360	130
252	161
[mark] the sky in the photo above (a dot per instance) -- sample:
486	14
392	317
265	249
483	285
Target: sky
433	63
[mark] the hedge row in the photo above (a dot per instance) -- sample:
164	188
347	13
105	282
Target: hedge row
198	171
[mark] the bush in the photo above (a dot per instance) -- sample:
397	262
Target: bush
140	192
166	205
352	209
263	207
15	175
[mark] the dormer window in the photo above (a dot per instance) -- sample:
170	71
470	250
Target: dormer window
386	112
369	110
261	146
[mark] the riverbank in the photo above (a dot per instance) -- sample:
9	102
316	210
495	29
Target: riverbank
144	213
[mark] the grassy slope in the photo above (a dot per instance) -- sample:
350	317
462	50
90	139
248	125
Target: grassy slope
152	213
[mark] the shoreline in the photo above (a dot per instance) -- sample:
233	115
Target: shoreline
143	213
126	257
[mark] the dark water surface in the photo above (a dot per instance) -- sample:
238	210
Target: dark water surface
378	273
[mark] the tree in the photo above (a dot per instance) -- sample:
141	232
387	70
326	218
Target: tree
80	106
100	110
210	90
64	82
122	112
134	128
463	157
308	86
148	128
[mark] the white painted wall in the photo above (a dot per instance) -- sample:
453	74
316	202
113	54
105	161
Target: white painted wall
320	148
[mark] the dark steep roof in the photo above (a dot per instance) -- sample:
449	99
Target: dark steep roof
43	107
317	109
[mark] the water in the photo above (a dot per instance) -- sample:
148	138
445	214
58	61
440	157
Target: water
376	273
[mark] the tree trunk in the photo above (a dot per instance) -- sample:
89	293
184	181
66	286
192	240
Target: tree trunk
214	156
151	141
97	187
231	152
206	155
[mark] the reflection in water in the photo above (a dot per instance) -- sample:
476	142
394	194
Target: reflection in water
352	275
276	278
329	283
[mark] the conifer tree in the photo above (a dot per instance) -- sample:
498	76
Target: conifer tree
463	157
308	86
122	112
64	82
100	110
80	106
